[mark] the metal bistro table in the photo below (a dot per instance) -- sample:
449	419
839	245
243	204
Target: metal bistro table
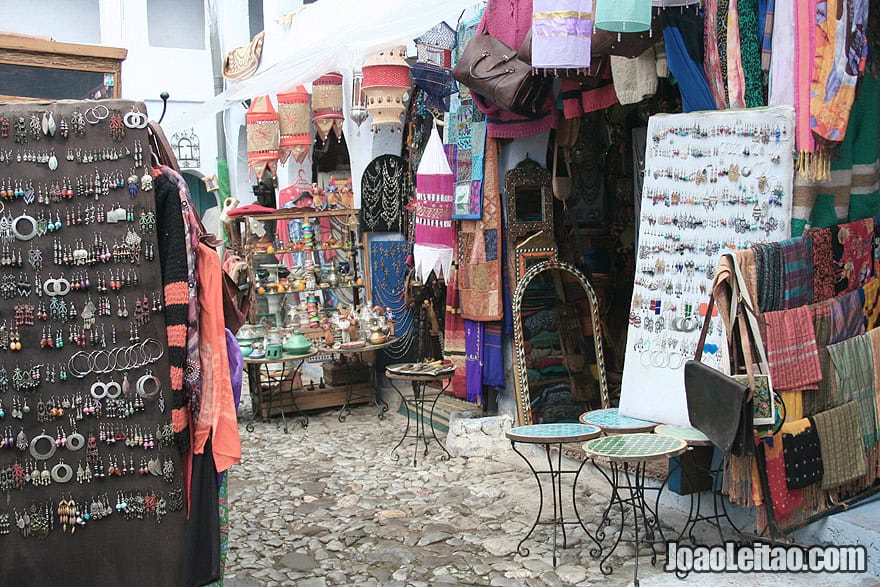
610	421
696	438
274	374
373	395
549	436
627	455
415	404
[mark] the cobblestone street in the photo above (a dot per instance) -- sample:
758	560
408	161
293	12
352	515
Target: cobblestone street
327	505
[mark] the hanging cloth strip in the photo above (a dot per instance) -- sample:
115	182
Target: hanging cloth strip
683	35
454	346
871	309
561	34
791	349
785	501
480	242
428	259
840	439
721	35
767	33
434	196
768	261
854	377
388	272
874	337
847	316
474	360
797	267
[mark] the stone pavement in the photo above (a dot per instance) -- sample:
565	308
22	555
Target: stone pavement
328	506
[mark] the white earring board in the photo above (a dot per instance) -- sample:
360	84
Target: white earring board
714	182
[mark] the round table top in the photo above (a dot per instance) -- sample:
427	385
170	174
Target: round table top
636	447
283	359
553	433
427	377
690	435
610	420
363	349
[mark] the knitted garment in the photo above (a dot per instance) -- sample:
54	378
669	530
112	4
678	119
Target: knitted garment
175	273
634	79
509	21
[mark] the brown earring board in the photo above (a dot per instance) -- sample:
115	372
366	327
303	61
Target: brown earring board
75	179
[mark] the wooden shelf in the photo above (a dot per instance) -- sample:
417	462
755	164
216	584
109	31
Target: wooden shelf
300	213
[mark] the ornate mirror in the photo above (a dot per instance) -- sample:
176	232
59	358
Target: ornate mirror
529	200
559	366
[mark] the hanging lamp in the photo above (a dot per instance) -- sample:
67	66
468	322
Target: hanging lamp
623	16
386	85
358	113
327	105
293	114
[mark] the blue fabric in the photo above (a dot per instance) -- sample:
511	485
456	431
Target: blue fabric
762	17
695	93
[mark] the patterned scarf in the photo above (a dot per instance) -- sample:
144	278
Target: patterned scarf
871	309
750	46
791	349
847	316
768	260
712	52
852	246
797	262
854	377
823	265
767	40
803	456
785	501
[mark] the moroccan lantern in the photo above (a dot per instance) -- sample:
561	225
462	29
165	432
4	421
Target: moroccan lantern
327	105
293	117
262	136
358	112
386	85
436	45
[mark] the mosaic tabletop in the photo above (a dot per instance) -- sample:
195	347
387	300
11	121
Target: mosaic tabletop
553	433
635	447
610	420
690	435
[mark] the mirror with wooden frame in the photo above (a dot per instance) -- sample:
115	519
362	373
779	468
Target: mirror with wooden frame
529	200
559	365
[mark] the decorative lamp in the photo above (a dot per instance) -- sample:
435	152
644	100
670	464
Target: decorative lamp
358	112
386	84
293	115
436	45
262	136
327	105
623	16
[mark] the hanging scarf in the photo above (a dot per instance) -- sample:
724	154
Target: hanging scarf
797	263
750	53
785	501
561	34
871	309
768	260
712	59
823	264
847	316
721	35
840	439
803	457
388	272
735	76
852	246
783	61
474	360
854	377
480	242
767	35
454	338
683	38
841	53
791	349
805	28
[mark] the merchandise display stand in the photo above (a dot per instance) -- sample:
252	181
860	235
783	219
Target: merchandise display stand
84	373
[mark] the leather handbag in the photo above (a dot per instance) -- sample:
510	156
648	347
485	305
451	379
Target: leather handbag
493	70
718	405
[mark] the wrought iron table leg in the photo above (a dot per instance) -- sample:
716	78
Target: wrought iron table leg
394	455
595	552
345	410
519	547
433	431
253	371
604	566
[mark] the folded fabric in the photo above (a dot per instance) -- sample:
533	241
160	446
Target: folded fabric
847	316
797	278
840	441
823	264
250	209
549	362
803	457
791	349
785	501
853	254
854	375
544	320
545	339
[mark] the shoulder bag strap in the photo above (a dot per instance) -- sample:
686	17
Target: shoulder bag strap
161	148
698	355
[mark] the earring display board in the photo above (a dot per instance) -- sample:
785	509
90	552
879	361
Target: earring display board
714	182
89	474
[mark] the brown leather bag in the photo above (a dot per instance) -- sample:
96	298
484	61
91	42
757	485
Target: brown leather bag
493	70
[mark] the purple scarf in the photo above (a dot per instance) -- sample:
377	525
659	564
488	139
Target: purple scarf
562	32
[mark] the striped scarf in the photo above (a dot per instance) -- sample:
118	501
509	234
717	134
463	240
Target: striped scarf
797	280
791	349
840	439
847	316
854	377
767	41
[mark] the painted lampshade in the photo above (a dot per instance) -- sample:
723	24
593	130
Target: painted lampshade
327	105
386	85
294	115
262	136
623	16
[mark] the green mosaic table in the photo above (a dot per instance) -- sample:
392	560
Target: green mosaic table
610	420
692	436
553	433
